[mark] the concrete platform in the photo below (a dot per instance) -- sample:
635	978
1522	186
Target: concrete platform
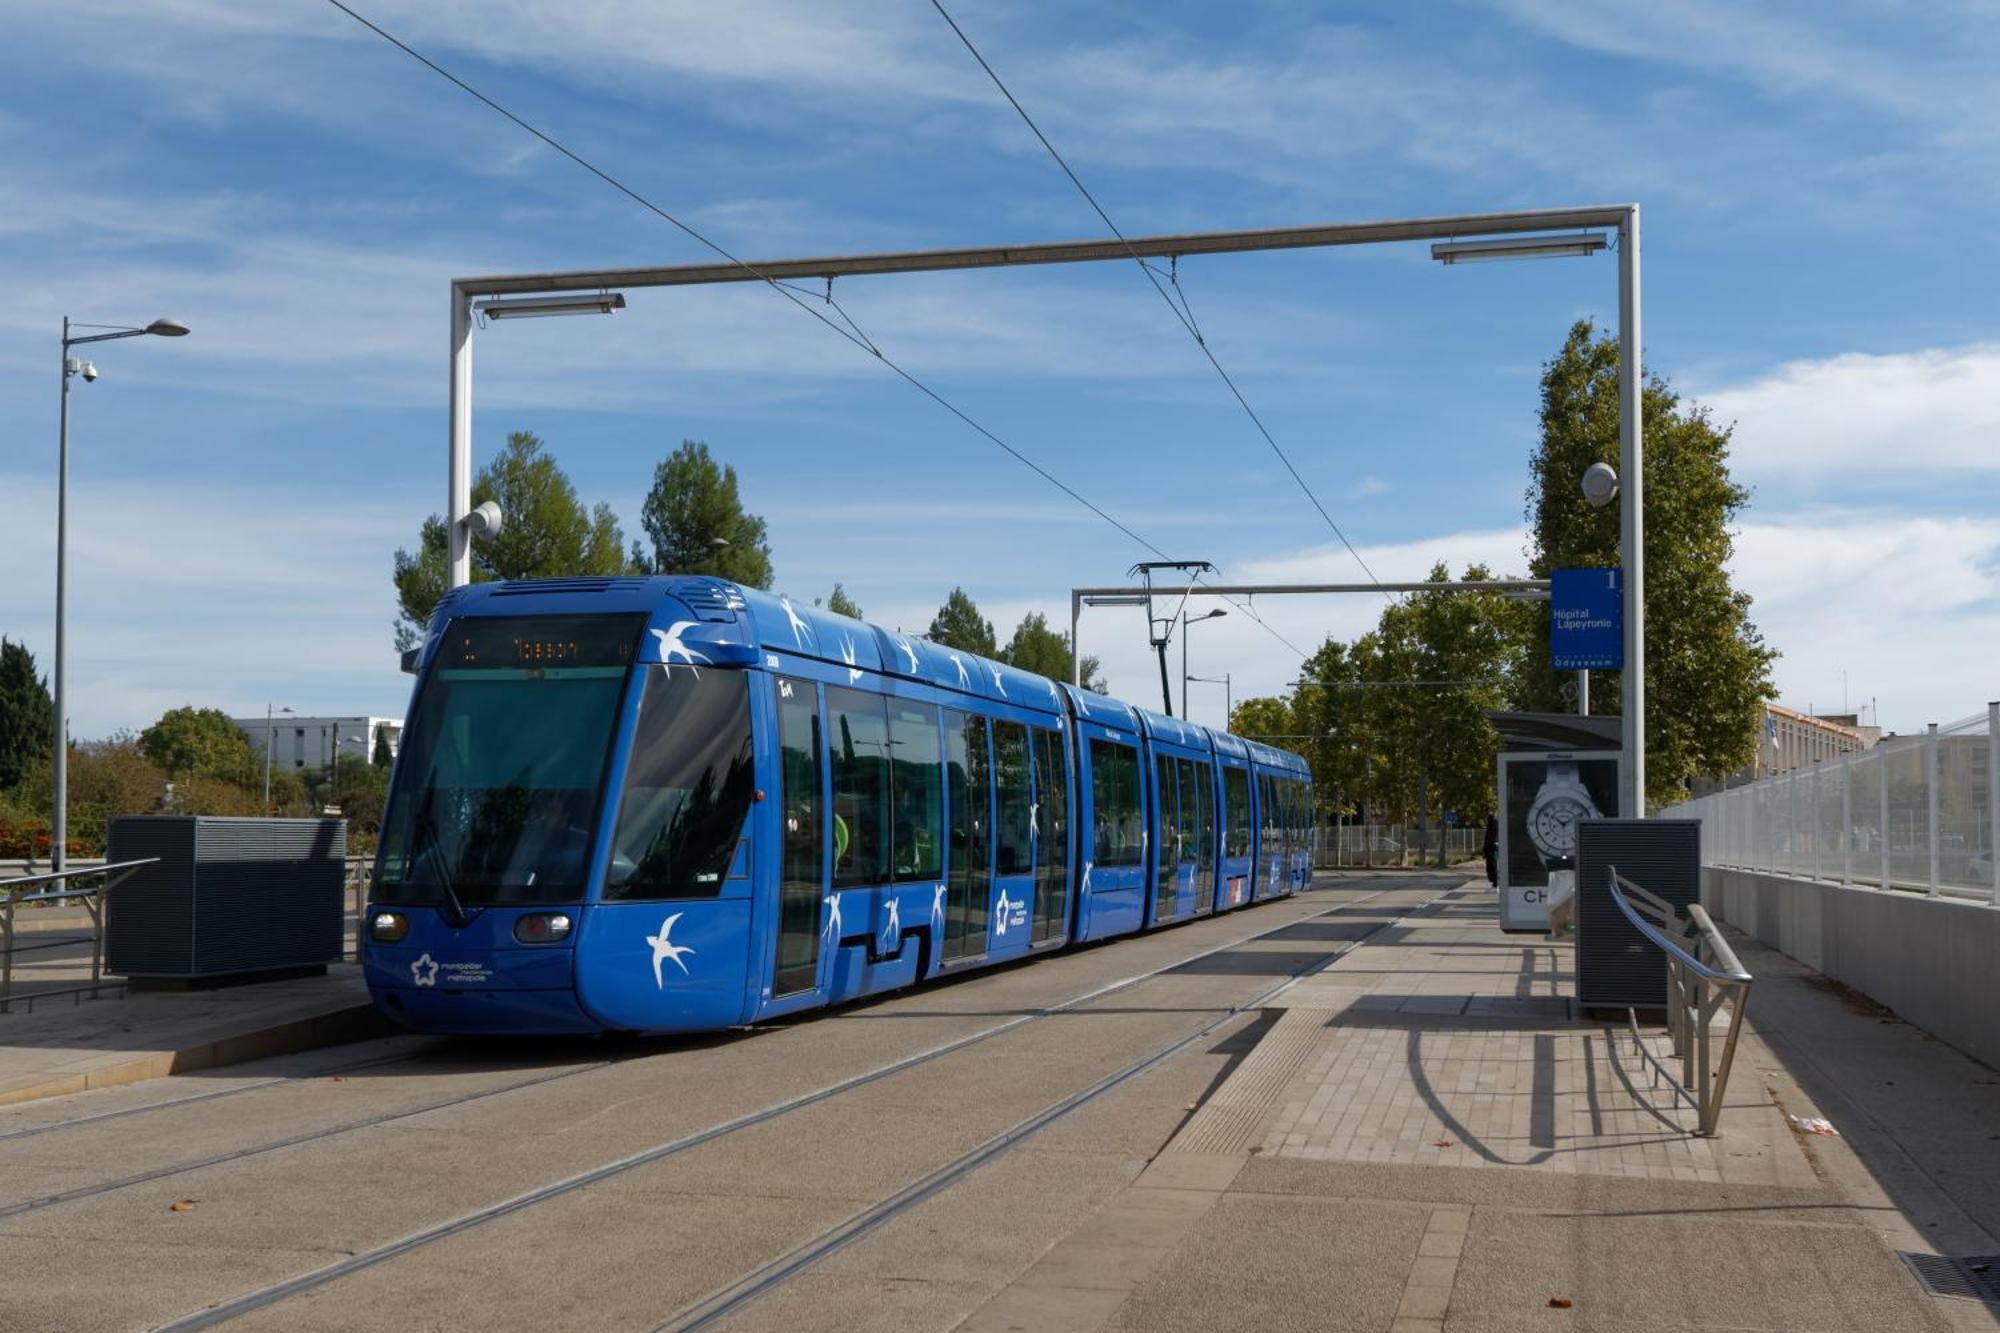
1426	1137
63	1047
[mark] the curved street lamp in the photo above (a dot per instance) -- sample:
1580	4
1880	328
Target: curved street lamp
59	768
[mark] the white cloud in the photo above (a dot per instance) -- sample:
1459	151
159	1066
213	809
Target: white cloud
1931	410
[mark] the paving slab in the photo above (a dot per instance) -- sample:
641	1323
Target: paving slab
1427	1136
62	1047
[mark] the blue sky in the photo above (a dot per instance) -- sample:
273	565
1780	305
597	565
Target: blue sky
1819	197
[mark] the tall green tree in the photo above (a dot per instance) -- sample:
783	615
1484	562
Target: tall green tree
27	716
697	525
1707	668
840	603
1036	647
547	532
381	757
201	742
959	625
1267	719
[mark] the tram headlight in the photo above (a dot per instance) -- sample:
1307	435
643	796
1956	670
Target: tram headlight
542	928
388	927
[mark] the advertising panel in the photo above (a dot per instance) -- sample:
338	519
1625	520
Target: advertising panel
1544	795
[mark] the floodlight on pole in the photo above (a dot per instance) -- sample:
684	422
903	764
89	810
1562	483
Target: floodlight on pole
532	307
1519	247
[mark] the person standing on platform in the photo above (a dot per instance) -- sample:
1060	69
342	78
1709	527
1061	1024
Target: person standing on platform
1491	849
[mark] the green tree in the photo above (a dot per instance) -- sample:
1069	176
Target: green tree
840	603
547	532
959	625
697	525
27	717
107	778
1264	719
381	757
1707	668
190	741
1036	647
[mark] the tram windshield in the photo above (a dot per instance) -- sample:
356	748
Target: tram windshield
502	770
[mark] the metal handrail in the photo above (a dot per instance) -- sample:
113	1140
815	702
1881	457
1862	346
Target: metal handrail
92	898
1696	990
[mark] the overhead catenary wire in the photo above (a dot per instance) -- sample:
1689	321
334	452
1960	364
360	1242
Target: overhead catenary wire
1182	311
852	333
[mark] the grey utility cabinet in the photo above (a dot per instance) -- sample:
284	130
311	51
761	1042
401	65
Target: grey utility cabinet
227	897
1616	966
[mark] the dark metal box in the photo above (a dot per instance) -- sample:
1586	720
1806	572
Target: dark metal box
228	896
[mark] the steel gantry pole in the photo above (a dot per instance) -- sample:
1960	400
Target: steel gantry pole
1632	516
459	502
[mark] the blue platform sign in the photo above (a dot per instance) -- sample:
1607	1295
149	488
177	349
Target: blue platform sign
1587	619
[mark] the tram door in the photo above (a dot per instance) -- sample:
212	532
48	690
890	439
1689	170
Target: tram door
1051	915
1166	843
969	794
802	863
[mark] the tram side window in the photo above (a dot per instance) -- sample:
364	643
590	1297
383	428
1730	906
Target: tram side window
1185	780
1010	762
802	835
917	788
1117	833
859	741
1167	792
1236	812
687	787
1204	781
971	805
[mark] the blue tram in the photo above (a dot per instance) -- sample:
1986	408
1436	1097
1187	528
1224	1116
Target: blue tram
670	804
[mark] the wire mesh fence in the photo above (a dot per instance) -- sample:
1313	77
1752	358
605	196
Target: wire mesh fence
1394	845
1915	814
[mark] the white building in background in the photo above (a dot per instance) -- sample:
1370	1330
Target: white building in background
300	743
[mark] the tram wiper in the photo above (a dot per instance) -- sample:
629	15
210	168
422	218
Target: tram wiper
434	851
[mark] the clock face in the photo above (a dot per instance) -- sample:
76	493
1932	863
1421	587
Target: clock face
1554	824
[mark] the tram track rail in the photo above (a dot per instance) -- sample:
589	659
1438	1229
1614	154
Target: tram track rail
214	1094
804	1257
26	1206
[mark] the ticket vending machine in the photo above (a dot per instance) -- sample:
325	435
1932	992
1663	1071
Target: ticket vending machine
1544	796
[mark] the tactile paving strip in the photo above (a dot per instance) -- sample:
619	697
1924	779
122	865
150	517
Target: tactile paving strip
1230	1120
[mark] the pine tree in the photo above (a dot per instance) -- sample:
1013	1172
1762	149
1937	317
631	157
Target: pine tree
27	716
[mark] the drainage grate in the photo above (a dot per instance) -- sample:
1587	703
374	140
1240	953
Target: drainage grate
1974	1277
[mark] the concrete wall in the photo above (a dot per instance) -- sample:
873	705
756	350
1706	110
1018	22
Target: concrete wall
1935	961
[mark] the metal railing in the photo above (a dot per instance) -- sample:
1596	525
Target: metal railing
1696	992
31	891
358	878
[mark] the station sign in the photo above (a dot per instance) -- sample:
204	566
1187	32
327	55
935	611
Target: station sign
1587	619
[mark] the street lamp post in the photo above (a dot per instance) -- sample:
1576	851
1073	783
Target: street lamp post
59	767
1186	623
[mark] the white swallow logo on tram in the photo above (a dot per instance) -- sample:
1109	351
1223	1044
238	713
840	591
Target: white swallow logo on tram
964	681
895	924
937	908
800	629
996	681
1055	695
832	901
424	971
847	656
665	948
672	647
909	651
